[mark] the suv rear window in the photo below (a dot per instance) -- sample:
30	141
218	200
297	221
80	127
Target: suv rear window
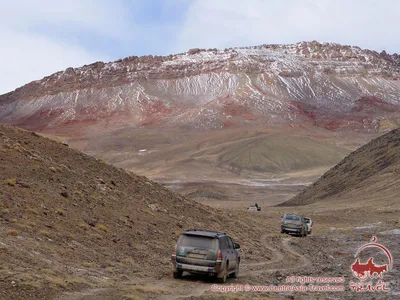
295	218
197	241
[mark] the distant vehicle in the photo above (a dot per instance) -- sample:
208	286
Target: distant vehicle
254	207
291	223
206	252
309	225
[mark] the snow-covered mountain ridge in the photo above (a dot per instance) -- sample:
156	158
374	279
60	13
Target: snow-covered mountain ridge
320	84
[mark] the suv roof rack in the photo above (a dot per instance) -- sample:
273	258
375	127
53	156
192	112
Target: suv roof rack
207	230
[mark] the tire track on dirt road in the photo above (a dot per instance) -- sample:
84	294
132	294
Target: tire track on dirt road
277	255
198	291
190	286
304	261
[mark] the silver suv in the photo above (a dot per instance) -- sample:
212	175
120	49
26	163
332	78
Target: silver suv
291	223
206	252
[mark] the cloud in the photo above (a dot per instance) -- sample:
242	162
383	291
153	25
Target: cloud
43	37
226	23
24	58
107	18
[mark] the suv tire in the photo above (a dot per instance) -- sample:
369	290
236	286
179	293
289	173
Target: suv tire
177	274
236	273
223	275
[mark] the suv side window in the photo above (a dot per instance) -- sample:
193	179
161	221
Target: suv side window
223	243
230	243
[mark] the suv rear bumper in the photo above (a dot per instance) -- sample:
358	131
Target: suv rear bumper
289	229
194	268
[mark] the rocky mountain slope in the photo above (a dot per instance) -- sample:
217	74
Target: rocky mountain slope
73	227
69	220
326	85
369	173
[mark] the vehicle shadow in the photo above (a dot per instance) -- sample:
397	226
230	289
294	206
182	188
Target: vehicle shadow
198	277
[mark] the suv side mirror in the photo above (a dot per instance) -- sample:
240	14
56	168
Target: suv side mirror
236	246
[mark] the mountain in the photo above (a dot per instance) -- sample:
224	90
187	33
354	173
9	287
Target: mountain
369	173
317	84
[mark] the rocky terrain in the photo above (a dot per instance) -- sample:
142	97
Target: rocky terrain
70	221
74	227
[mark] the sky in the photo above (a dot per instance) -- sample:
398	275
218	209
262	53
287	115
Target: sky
41	37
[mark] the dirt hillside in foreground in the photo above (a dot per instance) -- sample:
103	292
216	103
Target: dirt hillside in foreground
69	220
371	172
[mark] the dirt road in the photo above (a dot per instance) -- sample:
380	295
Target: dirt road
195	286
320	254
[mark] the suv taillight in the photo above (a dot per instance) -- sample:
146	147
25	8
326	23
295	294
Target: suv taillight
173	256
219	258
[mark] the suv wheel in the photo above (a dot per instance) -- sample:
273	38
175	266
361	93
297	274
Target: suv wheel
177	274
236	273
223	275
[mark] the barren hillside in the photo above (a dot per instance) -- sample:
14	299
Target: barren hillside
69	220
74	228
370	173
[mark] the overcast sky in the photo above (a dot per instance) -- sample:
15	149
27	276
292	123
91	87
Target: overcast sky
41	37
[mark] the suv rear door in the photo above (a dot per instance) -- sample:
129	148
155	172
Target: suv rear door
292	221
197	250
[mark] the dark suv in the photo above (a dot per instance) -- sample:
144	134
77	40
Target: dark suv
206	252
291	223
